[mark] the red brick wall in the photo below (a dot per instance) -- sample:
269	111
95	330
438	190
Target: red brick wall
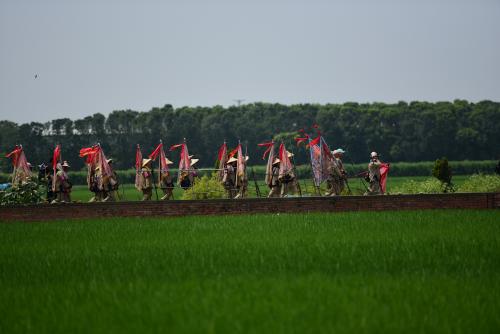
48	212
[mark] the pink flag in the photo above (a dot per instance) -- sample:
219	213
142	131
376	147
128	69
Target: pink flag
384	170
240	164
55	158
138	168
285	163
21	171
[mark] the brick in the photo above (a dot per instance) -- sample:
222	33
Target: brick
46	212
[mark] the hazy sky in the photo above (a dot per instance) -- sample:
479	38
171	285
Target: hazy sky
100	56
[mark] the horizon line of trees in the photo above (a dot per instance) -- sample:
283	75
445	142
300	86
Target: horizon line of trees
415	131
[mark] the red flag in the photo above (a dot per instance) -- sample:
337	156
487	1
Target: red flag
90	153
174	147
233	152
157	150
56	156
185	162
222	152
14	155
163	162
269	146
315	141
21	171
300	140
86	151
384	170
326	149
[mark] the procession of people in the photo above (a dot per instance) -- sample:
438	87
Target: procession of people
153	172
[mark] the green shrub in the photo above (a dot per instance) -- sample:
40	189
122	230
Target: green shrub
442	170
205	187
481	183
429	186
27	193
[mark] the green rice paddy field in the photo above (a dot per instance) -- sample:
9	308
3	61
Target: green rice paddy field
359	272
129	193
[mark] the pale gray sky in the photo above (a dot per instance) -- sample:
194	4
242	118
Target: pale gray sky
100	56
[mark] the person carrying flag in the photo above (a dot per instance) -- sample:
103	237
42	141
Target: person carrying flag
93	181
238	162
165	180
187	172
99	172
374	175
273	181
110	184
336	174
377	175
63	186
286	175
167	183
272	169
229	177
147	180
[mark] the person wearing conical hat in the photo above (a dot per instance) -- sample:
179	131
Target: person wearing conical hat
194	168
167	183
187	176
62	184
110	184
147	180
288	181
337	175
229	177
274	183
374	175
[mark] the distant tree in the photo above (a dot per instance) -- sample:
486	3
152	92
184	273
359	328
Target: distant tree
400	132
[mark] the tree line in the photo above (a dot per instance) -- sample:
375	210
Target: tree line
416	131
